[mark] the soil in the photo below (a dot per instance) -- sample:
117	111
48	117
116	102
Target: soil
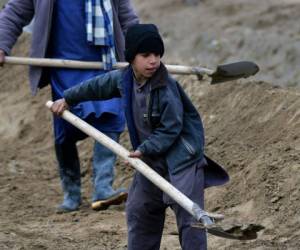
252	129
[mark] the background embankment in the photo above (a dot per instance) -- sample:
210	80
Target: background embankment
252	129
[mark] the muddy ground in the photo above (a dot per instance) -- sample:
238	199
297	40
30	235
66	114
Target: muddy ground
252	128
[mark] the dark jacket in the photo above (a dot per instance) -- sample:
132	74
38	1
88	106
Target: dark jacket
18	13
177	131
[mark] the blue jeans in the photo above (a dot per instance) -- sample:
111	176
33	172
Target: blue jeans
103	170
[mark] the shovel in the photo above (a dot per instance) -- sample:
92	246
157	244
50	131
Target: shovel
205	220
223	73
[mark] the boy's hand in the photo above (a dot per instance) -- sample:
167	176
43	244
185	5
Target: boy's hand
2	57
59	106
135	154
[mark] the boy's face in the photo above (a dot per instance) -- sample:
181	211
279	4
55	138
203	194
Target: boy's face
145	65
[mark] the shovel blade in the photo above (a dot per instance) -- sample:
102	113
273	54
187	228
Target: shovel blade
233	232
219	232
234	71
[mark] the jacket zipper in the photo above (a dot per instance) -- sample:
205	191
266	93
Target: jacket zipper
149	107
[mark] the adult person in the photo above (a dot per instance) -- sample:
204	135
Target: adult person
78	30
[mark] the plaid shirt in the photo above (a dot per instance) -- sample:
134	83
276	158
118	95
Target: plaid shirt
99	27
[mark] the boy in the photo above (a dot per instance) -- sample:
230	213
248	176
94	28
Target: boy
166	132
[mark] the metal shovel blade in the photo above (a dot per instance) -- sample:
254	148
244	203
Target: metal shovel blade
219	232
233	232
234	71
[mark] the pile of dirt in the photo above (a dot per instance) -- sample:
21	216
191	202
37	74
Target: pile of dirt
215	32
252	129
2	2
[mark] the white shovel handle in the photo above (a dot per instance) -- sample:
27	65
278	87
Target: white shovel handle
139	165
63	63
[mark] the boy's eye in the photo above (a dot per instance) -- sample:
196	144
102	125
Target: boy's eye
148	54
145	54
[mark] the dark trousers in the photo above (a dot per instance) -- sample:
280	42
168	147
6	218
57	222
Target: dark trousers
146	206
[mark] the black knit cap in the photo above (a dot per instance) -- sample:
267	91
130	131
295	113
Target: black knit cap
143	38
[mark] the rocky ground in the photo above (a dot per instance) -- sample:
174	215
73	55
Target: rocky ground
252	128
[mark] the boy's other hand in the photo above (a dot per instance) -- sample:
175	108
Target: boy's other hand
135	154
59	106
2	57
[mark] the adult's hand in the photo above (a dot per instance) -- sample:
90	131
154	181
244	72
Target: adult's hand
2	57
59	106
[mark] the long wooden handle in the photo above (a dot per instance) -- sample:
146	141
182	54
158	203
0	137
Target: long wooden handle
62	63
139	165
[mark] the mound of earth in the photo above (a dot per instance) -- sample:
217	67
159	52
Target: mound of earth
252	129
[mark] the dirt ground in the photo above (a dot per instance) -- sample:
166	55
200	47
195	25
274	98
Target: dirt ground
252	128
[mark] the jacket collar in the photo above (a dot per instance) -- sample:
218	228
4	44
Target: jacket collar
160	77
